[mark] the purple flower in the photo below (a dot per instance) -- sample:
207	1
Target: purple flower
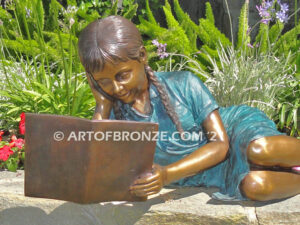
265	21
28	12
155	42
268	4
284	7
249	45
161	49
262	11
282	17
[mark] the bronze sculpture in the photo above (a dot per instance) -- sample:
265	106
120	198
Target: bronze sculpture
242	153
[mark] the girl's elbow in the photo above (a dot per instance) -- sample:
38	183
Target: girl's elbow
224	150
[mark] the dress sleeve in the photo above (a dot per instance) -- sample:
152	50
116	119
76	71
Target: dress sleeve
199	97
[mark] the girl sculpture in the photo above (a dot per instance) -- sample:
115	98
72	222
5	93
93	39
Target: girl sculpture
240	151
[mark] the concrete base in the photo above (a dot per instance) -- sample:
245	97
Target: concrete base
170	206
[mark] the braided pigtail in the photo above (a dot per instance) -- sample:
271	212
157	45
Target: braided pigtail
117	111
164	98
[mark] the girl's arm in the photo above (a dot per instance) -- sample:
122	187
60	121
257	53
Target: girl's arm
214	152
103	105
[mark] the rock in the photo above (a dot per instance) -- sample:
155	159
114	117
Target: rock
171	206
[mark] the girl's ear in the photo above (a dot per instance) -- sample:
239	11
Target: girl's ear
143	55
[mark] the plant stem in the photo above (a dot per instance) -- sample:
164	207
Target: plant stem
230	22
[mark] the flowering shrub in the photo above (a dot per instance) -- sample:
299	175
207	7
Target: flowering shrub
267	11
12	152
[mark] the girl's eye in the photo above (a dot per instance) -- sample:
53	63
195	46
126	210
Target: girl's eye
104	82
123	76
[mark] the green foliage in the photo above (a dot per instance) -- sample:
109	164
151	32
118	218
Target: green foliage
209	13
243	36
275	32
257	80
288	41
212	35
131	11
23	90
167	5
190	28
42	46
182	33
150	14
288	110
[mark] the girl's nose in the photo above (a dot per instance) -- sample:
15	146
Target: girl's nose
117	87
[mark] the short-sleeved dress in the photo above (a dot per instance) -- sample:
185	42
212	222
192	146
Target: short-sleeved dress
193	102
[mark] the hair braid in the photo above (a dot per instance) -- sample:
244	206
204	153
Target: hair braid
117	111
164	98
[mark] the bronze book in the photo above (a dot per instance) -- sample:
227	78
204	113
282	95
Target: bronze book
86	161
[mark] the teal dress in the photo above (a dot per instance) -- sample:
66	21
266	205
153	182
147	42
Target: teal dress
193	102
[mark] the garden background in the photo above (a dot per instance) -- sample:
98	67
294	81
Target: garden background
246	53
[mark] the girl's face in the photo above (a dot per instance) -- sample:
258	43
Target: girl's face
126	81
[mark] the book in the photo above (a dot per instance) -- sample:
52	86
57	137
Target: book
86	161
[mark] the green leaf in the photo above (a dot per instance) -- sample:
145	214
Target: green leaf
243	36
150	14
114	8
12	164
282	117
131	12
209	13
275	31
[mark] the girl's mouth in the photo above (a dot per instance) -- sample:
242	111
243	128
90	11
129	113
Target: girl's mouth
123	95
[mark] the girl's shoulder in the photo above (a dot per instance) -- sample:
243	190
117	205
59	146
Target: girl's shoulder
177	77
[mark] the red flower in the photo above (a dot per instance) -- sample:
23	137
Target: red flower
16	142
22	124
1	133
5	152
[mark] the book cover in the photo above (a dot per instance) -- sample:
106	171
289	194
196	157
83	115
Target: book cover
86	161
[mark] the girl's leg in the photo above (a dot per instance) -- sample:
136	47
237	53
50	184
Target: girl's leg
282	151
269	185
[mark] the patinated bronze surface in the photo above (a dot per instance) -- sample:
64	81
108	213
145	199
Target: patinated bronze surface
112	52
85	171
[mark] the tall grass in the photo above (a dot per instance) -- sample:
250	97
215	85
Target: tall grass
22	91
253	80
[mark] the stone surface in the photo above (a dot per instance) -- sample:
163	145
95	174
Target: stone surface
171	206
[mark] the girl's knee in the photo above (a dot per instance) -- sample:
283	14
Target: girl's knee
255	186
257	151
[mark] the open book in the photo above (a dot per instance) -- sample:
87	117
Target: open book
86	161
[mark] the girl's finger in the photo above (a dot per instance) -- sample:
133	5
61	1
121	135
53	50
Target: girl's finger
146	180
145	192
144	186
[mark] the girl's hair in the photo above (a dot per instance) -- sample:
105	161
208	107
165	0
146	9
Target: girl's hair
115	39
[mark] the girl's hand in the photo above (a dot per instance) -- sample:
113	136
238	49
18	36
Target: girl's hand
151	184
98	96
103	105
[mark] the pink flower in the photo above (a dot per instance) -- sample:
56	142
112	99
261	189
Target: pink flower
22	124
1	133
16	142
5	152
